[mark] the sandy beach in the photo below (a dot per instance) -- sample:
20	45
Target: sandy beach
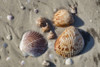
25	14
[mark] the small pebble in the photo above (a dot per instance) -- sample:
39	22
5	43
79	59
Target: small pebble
51	56
91	20
5	45
22	7
54	9
22	62
10	17
8	58
9	37
45	63
68	61
36	11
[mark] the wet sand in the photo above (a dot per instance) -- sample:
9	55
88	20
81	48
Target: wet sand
87	20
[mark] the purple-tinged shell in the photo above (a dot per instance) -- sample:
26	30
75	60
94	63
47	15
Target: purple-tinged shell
33	44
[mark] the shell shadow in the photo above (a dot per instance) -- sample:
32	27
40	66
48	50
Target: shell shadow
51	64
77	21
89	41
52	27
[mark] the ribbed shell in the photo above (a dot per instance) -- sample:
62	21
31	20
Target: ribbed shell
63	18
69	43
33	44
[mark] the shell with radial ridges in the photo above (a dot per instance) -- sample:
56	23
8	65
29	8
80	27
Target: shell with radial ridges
69	43
33	44
63	18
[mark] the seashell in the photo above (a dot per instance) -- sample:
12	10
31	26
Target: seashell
33	44
51	56
63	18
69	61
22	7
73	9
46	28
69	43
9	37
54	9
36	10
51	35
22	62
46	63
41	22
10	17
8	58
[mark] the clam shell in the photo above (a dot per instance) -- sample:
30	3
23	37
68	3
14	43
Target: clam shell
69	43
63	18
69	61
33	44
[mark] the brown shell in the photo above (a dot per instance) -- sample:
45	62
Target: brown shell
63	18
69	43
41	21
33	44
51	35
46	28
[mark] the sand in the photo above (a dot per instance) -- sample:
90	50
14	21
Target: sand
87	19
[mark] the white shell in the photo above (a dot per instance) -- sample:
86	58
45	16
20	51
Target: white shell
36	10
45	63
8	58
9	37
22	62
54	9
51	56
68	61
22	7
33	44
10	17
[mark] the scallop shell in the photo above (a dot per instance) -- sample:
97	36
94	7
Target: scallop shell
33	44
69	43
63	18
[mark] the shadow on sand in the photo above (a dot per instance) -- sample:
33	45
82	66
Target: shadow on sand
77	21
89	41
